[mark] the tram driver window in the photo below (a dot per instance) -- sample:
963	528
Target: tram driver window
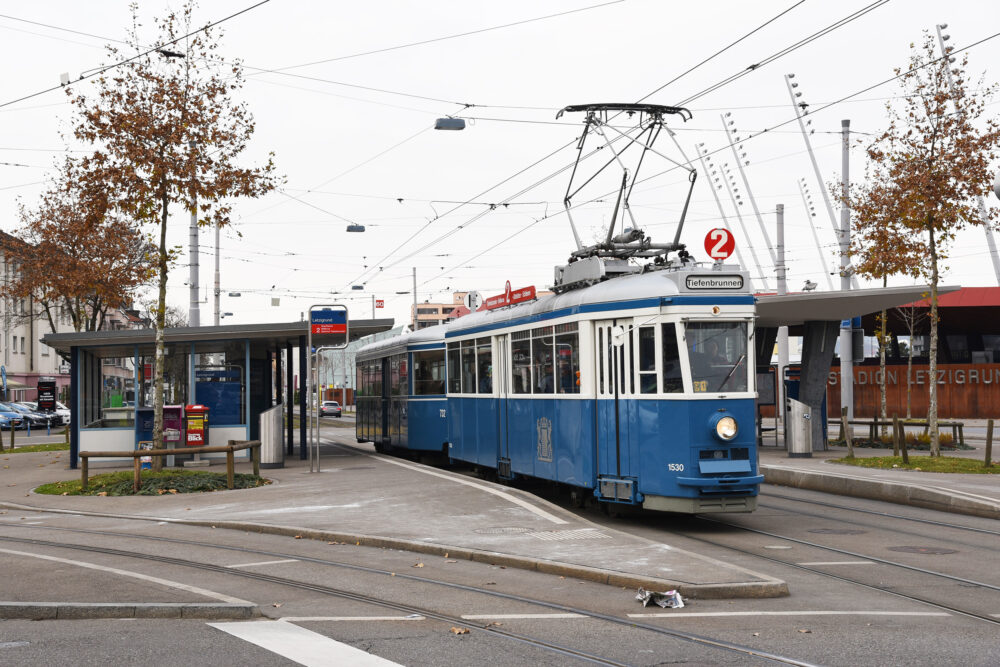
718	353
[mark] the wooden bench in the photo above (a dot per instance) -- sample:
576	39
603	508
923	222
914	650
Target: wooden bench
957	427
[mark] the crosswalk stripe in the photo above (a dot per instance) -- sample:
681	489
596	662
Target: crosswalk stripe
300	645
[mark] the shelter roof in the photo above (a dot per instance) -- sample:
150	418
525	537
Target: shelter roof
272	334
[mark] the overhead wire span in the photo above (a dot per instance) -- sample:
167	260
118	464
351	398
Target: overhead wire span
101	70
753	136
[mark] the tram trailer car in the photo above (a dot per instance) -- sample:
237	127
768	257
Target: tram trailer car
637	389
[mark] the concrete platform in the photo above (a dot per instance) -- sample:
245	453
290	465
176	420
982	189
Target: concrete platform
972	494
382	501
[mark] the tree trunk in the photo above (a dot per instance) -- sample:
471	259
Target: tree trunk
161	310
932	406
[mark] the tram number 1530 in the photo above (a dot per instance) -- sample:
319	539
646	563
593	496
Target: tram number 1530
675	467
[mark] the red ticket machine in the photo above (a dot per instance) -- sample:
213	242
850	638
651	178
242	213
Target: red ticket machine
195	425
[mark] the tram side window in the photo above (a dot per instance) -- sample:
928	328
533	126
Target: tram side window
647	360
376	377
428	372
521	356
359	373
541	354
404	378
673	381
568	359
454	369
484	359
469	367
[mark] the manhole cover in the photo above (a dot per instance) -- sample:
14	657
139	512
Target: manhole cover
924	550
502	530
838	531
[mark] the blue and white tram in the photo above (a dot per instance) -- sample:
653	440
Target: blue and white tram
637	389
400	398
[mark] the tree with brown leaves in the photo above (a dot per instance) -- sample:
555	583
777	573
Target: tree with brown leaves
167	131
75	256
924	174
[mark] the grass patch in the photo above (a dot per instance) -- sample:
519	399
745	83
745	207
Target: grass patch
169	481
922	463
50	447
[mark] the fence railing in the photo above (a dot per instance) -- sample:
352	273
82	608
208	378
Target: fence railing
230	450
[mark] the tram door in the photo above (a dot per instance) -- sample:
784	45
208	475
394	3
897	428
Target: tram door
501	382
615	384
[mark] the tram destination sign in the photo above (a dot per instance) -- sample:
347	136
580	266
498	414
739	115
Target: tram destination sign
714	282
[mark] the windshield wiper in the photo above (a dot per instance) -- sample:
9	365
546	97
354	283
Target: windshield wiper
733	370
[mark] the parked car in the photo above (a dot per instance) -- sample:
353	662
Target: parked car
14	418
34	417
329	409
62	413
29	417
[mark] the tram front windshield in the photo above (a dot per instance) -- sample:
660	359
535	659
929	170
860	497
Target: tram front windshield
718	354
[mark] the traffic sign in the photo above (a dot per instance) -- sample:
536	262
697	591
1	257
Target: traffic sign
380	303
719	243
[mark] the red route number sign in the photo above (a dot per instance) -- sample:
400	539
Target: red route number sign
380	303
719	243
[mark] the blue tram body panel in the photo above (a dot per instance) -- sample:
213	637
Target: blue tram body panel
427	427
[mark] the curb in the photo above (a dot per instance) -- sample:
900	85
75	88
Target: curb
767	588
51	611
884	490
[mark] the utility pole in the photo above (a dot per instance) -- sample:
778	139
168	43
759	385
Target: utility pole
217	282
194	316
414	298
373	306
780	270
846	343
990	243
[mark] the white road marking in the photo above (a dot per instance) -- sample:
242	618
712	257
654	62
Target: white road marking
265	562
839	562
538	511
700	614
300	645
776	546
135	575
486	617
314	619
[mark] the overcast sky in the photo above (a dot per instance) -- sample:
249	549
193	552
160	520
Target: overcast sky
350	152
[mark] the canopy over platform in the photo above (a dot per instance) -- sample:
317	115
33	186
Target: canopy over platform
794	310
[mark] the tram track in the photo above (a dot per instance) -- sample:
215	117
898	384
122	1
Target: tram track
487	628
845	552
887	515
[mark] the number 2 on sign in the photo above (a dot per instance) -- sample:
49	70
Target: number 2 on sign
719	236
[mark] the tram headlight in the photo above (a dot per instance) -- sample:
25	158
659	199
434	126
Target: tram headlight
726	428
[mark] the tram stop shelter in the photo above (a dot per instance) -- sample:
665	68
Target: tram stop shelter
237	371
